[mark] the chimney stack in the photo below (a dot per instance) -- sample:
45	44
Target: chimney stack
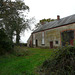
58	17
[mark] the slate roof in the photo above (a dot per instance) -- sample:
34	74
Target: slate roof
56	23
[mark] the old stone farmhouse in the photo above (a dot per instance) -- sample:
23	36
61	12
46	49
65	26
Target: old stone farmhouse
53	34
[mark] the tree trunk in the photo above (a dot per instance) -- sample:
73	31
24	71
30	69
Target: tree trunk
11	38
17	38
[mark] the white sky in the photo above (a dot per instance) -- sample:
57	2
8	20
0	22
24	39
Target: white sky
41	9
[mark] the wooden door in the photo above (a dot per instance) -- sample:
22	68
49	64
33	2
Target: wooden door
51	44
71	42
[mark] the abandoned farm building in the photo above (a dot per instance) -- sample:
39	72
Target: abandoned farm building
53	34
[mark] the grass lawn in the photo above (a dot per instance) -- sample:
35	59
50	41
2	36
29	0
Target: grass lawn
11	64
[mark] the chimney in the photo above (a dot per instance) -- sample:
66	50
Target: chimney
58	17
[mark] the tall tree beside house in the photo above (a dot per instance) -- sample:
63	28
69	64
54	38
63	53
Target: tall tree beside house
21	25
10	14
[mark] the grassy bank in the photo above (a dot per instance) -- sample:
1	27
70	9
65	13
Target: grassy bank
20	64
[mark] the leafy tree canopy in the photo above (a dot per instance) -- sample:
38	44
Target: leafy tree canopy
12	16
43	21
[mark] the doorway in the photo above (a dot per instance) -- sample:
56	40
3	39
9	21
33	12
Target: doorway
51	44
36	43
30	44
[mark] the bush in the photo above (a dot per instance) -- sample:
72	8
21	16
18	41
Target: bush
21	51
5	43
21	44
63	63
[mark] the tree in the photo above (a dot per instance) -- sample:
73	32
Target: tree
43	21
21	25
10	14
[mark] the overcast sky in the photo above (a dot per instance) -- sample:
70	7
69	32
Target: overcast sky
41	9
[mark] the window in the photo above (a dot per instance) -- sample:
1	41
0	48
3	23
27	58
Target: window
56	42
43	38
33	39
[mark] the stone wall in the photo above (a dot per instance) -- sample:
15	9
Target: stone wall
29	41
52	35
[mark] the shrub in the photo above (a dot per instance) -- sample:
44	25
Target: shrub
63	63
21	44
5	43
21	51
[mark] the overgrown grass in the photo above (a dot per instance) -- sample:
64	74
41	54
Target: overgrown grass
25	61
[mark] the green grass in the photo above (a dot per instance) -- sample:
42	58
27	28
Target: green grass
10	64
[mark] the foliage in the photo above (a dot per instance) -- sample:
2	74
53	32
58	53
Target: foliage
22	52
5	43
21	44
43	21
24	65
69	35
63	63
12	19
63	38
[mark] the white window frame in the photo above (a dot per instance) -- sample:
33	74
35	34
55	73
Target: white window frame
43	41
33	39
